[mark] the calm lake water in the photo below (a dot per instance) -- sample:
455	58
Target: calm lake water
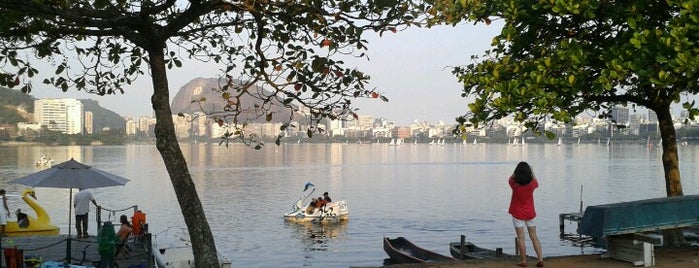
428	194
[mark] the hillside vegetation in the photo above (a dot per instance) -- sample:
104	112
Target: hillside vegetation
16	106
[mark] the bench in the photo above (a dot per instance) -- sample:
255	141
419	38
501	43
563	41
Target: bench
622	228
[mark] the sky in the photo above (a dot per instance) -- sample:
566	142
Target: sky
412	68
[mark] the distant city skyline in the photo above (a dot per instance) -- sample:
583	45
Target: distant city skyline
411	68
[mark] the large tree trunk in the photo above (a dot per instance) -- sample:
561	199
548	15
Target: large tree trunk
203	245
673	185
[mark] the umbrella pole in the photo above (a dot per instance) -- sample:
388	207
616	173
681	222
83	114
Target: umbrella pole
70	215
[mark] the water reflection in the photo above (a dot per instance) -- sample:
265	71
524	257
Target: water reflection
429	194
317	237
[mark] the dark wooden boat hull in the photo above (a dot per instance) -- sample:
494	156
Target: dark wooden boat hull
403	251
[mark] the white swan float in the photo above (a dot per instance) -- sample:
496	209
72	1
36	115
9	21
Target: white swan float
330	213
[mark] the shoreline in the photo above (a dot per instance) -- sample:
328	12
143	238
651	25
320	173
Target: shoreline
687	256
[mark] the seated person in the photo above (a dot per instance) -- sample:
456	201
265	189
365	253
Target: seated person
125	228
311	206
326	197
321	202
22	219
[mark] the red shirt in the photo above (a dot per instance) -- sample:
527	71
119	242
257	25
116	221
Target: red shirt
522	202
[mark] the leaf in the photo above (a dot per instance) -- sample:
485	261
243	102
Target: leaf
60	69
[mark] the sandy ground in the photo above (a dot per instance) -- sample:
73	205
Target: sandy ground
664	258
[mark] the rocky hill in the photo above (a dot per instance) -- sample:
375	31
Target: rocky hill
205	87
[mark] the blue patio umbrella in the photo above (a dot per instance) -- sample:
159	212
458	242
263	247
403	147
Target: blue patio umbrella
71	174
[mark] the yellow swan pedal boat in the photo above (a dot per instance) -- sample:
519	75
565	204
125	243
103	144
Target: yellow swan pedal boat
41	225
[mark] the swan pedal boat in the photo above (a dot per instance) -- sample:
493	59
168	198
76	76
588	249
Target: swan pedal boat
331	212
41	225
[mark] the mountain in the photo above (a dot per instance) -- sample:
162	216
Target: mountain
103	118
205	87
16	106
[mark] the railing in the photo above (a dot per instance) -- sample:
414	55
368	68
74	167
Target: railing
112	213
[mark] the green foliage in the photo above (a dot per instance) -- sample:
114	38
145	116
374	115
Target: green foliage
556	59
293	49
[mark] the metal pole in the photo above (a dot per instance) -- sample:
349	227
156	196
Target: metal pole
149	250
462	251
70	212
581	200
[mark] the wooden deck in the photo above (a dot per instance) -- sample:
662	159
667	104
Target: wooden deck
84	250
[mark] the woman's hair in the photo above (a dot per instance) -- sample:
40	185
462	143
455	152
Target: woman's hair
124	220
523	174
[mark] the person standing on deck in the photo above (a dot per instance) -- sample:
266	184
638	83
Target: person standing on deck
82	210
4	214
523	184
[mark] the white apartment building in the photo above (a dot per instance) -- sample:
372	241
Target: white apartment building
89	123
64	115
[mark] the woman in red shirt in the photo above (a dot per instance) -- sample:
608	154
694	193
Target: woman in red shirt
522	210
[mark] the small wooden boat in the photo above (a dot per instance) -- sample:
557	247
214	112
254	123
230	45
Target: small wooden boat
471	251
403	251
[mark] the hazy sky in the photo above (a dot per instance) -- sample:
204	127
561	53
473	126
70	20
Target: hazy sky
411	68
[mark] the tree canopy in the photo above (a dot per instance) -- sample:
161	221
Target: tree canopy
557	59
292	49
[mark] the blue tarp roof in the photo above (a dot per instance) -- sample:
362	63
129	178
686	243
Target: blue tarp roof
640	216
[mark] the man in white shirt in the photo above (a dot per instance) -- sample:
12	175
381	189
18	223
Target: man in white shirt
82	210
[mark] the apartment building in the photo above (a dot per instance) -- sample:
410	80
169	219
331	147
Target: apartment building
60	114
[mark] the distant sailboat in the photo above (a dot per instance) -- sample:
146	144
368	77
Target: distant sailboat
514	142
393	142
560	141
475	141
432	142
415	141
523	142
578	141
609	140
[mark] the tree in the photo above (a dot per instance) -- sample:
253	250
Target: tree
292	49
557	59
